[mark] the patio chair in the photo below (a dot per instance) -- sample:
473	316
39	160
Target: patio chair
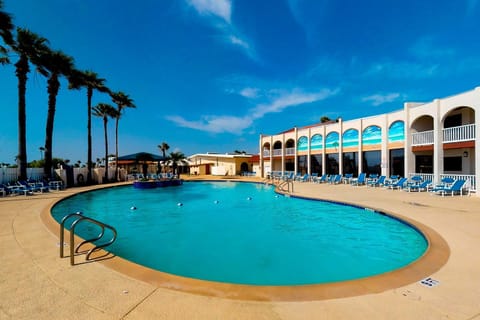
419	187
377	183
321	179
360	180
397	185
456	187
337	179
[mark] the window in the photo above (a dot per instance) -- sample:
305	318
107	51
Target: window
371	162
452	164
350	162
453	121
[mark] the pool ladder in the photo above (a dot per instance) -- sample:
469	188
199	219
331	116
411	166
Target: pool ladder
78	217
287	183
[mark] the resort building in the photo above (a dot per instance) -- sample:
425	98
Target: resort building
434	140
223	164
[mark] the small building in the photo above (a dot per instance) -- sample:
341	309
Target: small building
141	162
223	164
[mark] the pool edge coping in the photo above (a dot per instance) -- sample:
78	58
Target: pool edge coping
436	256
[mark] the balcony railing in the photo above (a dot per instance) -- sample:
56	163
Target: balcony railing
266	153
458	134
422	138
454	134
289	151
277	152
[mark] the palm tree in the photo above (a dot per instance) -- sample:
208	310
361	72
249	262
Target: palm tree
6	32
91	81
164	148
176	158
105	111
53	64
29	46
42	149
122	101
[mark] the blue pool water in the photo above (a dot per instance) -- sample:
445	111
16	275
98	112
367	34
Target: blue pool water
245	233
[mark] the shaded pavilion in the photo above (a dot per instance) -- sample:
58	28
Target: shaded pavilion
132	161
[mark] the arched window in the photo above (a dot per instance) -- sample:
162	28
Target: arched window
396	132
316	142
350	138
372	135
302	144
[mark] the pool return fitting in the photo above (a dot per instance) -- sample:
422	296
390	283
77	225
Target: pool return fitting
78	217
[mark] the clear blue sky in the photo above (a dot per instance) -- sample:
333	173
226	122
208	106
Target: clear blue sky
211	76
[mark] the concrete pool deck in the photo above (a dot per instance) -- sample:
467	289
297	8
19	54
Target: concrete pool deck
36	284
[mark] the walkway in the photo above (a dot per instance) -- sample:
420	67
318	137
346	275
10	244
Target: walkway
36	284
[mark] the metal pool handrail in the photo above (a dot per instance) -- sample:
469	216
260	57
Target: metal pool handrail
79	218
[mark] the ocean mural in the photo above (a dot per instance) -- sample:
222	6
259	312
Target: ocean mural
396	132
331	141
302	144
372	135
350	138
316	142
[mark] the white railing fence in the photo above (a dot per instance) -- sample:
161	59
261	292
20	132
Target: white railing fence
422	138
10	175
277	152
289	151
425	176
266	153
457	134
470	178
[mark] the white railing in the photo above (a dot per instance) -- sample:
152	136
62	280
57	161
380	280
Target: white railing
457	134
289	151
266	153
422	138
425	176
277	152
470	178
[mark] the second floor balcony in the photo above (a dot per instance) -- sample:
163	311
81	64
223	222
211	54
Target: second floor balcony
449	135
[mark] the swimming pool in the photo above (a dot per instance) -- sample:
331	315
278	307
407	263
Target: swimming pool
244	233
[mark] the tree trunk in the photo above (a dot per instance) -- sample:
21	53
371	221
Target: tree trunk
105	179
116	147
89	135
22	70
53	87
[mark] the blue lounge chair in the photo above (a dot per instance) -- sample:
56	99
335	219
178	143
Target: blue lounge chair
360	180
397	185
322	179
347	178
337	179
377	183
455	188
419	187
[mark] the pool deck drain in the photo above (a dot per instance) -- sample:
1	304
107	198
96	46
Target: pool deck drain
36	283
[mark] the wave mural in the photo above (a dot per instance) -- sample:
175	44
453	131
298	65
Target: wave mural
316	142
350	138
331	141
302	144
372	135
396	132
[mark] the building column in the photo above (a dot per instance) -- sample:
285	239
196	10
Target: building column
340	147
309	163
384	156
295	160
360	147
283	154
477	141
408	156
437	143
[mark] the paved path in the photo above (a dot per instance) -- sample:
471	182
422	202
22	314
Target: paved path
36	284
